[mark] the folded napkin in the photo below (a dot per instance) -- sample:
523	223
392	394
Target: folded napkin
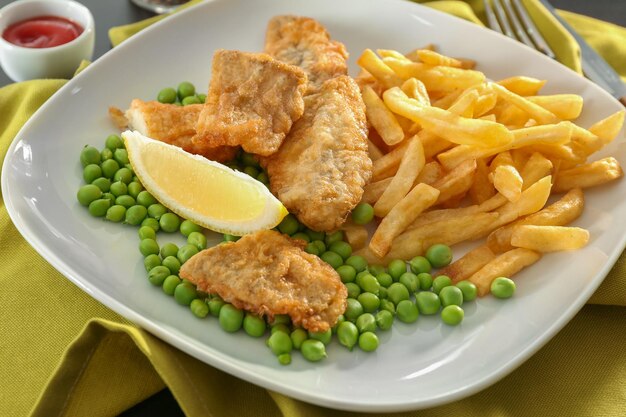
65	354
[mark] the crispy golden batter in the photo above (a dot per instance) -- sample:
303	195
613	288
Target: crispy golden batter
253	100
173	124
268	273
320	170
304	42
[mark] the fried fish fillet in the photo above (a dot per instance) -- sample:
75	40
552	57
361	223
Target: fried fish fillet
320	170
173	124
268	273
253	100
304	42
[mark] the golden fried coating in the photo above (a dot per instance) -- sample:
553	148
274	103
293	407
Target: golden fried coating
304	42
268	273
253	100
173	124
320	170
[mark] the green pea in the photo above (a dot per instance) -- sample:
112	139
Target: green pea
186	252
135	215
170	284
382	293
190	100
281	319
187	227
439	255
124	175
298	336
313	350
88	193
134	188
169	249
332	258
231	238
357	262
502	287
347	273
215	305
406	311
419	264
158	274
363	213
249	159
333	237
340	320
201	97
119	188
353	290
146	232
369	301
98	208
186	89
151	261
280	327
410	281
254	325
199	308
197	239
321	246
251	171
348	334
263	178
468	289
89	155
366	322
342	249
384	279
289	225
167	95
452	315
146	199
172	263
384	320
109	197
315	235
155	210
231	318
104	184
451	295
312	249
109	168
115	213
387	305
368	283
151	223
396	268
441	282
397	292
323	337
114	142
105	154
185	293
425	280
92	172
148	247
428	302
301	236
376	269
169	222
368	341
353	309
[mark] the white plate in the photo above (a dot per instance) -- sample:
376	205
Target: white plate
416	366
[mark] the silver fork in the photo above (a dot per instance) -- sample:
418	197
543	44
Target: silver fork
510	18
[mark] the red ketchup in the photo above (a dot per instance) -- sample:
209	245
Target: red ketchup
42	32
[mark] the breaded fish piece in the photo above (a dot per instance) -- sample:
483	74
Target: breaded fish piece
173	124
268	273
304	42
320	170
253	100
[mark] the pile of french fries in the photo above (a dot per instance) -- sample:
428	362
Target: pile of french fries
458	157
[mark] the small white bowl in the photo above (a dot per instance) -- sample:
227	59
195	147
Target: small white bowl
21	63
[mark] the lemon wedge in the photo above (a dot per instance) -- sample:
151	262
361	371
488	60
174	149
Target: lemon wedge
203	191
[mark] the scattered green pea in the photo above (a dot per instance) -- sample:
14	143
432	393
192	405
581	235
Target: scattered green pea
332	258
428	302
410	281
323	337
134	188
158	274
301	236
146	232
289	225
146	199
89	155
279	327
169	222
384	279
468	289
342	249
284	358
451	295
105	154
315	235
231	318
124	175
186	252
425	280
151	223
357	262
215	305
330	238
115	213
366	322
369	301
353	309
135	214
185	293
441	282
347	273
172	263
502	287
148	247
114	142
170	284
384	319
353	289
88	193
104	184
313	350
201	97
439	255
407	311
368	283
109	168
363	213
312	249
452	315
186	89
298	336
190	100
151	261
119	188
197	239
368	341
263	178
321	246
396	268
98	208
387	305
377	270
109	197
92	172
199	308
397	292
419	265
156	210
348	334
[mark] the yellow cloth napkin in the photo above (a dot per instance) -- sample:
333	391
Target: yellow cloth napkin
62	353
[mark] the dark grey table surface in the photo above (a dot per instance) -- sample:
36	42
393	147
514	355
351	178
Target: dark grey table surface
111	13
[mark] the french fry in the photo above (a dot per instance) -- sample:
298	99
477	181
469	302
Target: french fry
416	89
446	124
381	118
412	163
504	265
523	86
373	150
447	99
356	235
370	62
549	238
430	57
588	175
607	129
387	165
464	105
560	213
456	182
390	53
481	189
532	200
435	78
520	158
537	167
430	174
432	143
535	111
485	103
401	215
373	190
563	106
503	158
508	182
468	264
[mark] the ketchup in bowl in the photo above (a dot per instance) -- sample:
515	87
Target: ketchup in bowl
42	32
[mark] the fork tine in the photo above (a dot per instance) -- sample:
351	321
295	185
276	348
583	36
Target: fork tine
532	30
519	28
504	22
492	21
